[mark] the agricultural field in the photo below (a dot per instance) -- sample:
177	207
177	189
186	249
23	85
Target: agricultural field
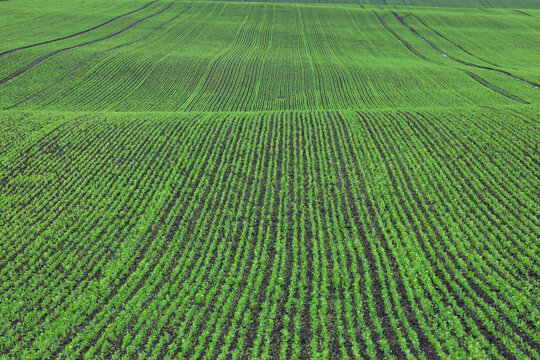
270	180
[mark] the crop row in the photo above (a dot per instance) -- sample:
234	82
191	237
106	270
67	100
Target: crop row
514	4
281	234
220	56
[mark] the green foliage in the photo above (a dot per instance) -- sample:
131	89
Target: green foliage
229	180
221	56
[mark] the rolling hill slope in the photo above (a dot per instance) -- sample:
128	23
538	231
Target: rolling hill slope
260	57
269	180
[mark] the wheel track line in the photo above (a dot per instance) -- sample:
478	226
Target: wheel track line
56	52
523	13
86	61
76	34
436	48
473	76
447	39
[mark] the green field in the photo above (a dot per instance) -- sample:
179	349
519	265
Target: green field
264	180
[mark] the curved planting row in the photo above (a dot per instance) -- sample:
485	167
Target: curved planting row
220	56
408	234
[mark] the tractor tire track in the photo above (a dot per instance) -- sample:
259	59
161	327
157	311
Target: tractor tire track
524	13
56	52
475	77
84	62
76	34
420	20
436	48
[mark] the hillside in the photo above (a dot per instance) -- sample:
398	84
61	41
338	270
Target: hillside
488	4
269	180
262	57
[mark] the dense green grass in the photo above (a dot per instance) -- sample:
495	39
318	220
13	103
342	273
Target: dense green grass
269	180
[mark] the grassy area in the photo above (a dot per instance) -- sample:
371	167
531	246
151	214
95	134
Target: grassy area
269	180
